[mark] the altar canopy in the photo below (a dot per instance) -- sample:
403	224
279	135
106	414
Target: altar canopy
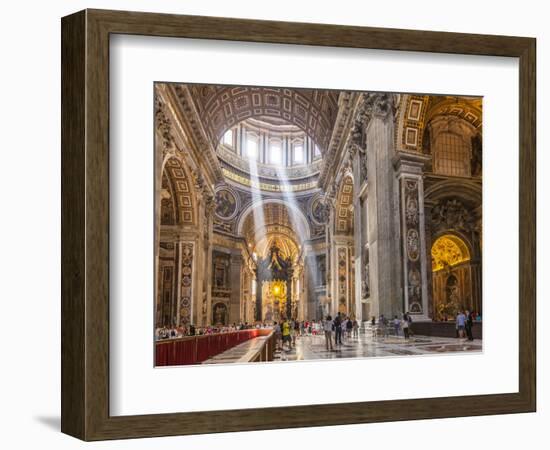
274	275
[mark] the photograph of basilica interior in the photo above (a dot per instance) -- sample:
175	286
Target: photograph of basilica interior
307	224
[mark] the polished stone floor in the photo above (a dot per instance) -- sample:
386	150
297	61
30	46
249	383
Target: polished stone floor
313	348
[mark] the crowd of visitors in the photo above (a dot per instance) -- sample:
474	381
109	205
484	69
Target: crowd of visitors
190	330
342	327
335	330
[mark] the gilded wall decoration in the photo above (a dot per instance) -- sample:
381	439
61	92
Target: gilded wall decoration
184	199
448	251
344	218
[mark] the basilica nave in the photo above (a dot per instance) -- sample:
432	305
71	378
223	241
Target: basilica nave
276	203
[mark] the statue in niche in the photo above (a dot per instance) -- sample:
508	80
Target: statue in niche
220	314
322	270
365	282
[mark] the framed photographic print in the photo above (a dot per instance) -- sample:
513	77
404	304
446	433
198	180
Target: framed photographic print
271	224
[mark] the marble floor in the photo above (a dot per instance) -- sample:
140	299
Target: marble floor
313	348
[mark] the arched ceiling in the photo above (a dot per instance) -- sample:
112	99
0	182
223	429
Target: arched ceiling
416	112
221	107
181	189
273	222
447	251
287	246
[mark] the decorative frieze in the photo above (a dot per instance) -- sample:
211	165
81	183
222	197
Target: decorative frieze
186	296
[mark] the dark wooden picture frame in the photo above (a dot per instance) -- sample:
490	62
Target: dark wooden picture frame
85	223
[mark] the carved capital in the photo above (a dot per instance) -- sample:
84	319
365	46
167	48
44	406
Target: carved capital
380	105
164	127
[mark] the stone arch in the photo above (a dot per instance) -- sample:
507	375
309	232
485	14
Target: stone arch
453	276
182	189
296	214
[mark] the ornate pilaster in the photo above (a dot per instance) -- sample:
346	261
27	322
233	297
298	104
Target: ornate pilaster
185	282
413	234
236	266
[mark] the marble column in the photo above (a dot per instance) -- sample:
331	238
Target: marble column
386	291
360	231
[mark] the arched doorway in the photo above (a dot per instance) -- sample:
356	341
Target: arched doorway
451	276
175	257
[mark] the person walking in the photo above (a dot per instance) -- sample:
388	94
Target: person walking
396	325
296	331
278	334
405	325
349	327
460	324
355	326
327	326
409	320
469	324
338	330
286	329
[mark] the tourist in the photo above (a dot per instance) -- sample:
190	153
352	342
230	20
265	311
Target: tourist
405	325
278	334
396	325
328	325
338	330
460	324
296	332
355	326
409	320
469	325
349	327
286	334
